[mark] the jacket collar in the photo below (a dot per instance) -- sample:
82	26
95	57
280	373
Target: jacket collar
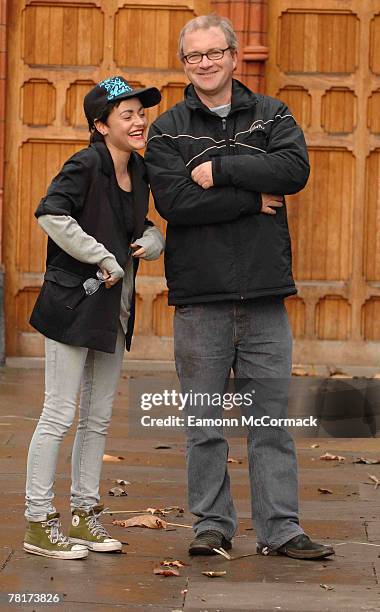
242	97
140	188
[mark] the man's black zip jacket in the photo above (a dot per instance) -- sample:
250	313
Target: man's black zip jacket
219	246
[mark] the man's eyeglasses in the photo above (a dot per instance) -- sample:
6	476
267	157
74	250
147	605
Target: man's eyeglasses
213	54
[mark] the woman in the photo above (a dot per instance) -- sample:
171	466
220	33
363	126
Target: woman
94	214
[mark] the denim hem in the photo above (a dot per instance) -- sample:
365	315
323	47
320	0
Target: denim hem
38	518
213	527
286	539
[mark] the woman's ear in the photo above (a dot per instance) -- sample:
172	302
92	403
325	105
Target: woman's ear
101	127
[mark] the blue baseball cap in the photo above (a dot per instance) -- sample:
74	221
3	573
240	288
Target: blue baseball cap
113	89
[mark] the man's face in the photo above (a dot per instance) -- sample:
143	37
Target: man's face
210	77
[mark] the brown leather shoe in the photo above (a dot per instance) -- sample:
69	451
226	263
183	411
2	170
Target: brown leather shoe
300	547
205	542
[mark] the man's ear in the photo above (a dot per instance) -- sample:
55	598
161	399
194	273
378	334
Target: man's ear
101	127
234	59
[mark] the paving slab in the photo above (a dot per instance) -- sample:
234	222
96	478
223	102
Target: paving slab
158	479
210	596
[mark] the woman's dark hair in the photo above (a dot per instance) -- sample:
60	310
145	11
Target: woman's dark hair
95	135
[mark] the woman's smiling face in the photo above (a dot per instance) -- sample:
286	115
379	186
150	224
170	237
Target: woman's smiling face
126	126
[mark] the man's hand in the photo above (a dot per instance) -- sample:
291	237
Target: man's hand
269	202
202	175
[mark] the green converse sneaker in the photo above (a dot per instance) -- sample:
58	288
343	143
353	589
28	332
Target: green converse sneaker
86	529
46	539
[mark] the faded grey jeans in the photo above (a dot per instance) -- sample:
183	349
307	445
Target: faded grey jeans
67	370
253	338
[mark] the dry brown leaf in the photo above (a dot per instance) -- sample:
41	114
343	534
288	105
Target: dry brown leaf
231	460
325	491
163	511
374	479
330	457
117	492
296	371
145	520
173	563
165	572
214	574
367	461
336	373
112	458
120	481
314	446
327	587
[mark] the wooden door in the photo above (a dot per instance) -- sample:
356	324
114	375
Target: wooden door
324	61
57	51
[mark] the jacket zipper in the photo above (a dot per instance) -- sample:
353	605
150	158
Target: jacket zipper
224	128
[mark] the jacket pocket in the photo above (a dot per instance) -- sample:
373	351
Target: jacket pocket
66	287
63	278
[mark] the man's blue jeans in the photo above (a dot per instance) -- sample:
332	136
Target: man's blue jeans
254	339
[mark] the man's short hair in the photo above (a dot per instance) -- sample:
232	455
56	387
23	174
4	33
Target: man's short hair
204	22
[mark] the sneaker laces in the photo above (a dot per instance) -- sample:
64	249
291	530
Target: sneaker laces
95	525
55	534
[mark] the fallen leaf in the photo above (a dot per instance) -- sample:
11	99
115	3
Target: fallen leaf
299	372
336	373
325	491
314	446
330	457
375	480
327	587
164	511
165	572
112	458
173	563
231	460
145	520
224	553
367	461
214	574
117	492
162	446
119	481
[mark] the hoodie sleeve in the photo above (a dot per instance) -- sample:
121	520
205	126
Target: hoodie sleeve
153	242
283	169
179	199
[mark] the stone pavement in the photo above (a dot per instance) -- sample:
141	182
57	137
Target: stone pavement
349	518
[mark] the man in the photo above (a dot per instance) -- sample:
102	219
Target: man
219	164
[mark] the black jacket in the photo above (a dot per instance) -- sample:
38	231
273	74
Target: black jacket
86	189
219	246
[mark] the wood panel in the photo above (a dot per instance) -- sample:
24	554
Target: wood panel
299	100
161	27
371	319
297	315
57	50
333	318
38	98
315	41
372	220
339	109
57	35
324	62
